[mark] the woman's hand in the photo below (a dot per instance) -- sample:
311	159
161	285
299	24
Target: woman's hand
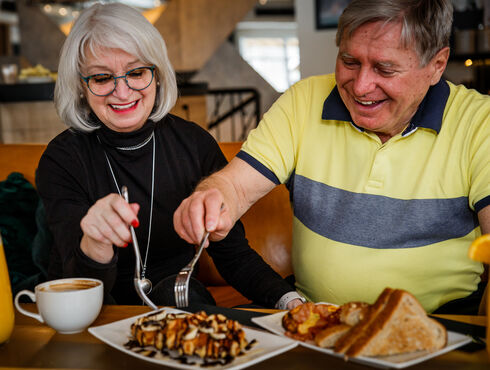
106	224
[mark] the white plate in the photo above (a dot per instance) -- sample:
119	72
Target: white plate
273	323
268	345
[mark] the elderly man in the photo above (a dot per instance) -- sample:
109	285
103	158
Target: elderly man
387	163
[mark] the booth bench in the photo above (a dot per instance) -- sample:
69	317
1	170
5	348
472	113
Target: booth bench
268	223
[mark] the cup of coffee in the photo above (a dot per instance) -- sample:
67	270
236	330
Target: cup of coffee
67	305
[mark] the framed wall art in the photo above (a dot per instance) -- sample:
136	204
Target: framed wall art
327	12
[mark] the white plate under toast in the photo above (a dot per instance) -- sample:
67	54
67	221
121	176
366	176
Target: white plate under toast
267	345
273	323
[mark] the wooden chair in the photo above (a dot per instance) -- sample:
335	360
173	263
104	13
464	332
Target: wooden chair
22	158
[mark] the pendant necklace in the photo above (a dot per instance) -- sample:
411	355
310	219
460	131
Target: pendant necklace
146	286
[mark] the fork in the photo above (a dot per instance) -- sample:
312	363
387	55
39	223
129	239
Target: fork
181	288
139	283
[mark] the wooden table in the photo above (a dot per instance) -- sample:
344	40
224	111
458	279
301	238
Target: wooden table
35	346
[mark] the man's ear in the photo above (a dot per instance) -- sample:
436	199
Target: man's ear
438	64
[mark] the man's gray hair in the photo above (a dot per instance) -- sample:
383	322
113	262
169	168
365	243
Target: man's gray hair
426	24
112	26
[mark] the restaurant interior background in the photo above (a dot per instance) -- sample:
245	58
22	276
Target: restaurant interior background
232	58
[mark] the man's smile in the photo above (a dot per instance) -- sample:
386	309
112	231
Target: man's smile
367	102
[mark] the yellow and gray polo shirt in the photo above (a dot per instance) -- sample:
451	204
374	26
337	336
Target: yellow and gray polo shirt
369	215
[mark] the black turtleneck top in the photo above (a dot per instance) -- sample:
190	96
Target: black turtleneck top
73	174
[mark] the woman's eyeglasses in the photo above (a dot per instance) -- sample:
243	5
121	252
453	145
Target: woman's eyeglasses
103	84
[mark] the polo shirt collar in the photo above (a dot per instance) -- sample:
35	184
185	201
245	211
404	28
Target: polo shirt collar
429	113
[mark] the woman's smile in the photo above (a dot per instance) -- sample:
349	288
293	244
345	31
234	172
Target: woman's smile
124	109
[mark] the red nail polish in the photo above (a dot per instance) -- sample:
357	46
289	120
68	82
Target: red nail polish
135	223
125	245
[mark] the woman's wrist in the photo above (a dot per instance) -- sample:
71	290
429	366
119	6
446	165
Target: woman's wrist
96	251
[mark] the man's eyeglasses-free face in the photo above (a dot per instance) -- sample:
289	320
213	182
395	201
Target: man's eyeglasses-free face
103	84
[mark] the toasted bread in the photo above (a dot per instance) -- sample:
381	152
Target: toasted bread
358	330
350	314
398	324
330	335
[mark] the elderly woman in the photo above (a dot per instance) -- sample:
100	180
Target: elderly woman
115	88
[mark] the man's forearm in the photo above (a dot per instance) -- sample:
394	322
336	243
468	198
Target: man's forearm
240	185
222	183
219	201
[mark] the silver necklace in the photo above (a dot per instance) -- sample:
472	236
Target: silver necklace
152	136
137	146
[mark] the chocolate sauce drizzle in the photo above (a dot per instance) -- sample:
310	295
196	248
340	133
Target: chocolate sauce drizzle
134	346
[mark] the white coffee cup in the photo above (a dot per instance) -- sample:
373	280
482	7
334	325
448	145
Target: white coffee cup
67	305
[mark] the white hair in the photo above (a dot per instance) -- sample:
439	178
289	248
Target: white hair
112	26
426	24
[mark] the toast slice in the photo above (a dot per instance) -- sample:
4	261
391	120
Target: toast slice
358	330
329	336
401	326
350	314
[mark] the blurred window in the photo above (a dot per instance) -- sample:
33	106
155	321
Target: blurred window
272	49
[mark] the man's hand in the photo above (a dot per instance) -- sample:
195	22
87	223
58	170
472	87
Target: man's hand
294	303
203	210
235	188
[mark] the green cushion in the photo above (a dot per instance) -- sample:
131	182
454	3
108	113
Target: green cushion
25	236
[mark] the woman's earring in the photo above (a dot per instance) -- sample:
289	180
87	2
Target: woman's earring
81	96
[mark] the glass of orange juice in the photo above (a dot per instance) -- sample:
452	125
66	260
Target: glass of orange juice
480	251
487	293
6	303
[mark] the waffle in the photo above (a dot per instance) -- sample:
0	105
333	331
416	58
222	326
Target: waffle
182	334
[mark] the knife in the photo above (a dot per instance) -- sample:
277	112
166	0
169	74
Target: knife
476	332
